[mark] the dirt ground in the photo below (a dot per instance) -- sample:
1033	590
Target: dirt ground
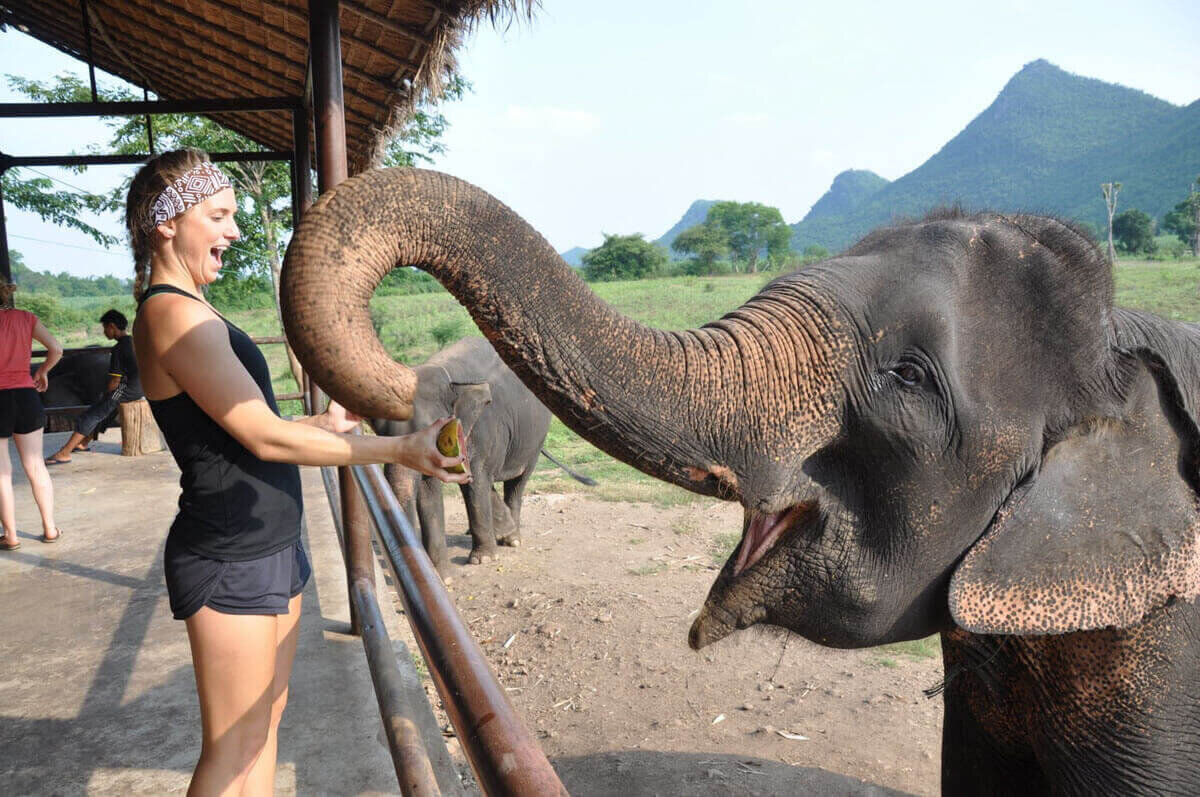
586	627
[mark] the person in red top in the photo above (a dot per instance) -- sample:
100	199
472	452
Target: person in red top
21	415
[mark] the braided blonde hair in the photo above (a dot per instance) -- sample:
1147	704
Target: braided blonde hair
150	181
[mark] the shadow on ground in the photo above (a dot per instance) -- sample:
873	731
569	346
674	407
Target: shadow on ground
679	774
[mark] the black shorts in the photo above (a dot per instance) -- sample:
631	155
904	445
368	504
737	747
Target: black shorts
96	414
254	586
20	411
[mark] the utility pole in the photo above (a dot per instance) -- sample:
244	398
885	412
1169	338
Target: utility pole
1110	199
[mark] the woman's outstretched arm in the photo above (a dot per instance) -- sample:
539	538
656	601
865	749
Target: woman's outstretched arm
193	348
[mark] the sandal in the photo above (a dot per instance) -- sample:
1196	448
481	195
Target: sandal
4	546
55	538
52	461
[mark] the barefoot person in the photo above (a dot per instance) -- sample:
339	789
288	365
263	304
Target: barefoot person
21	416
234	564
123	385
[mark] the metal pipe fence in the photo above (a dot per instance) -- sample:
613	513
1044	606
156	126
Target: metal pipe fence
503	754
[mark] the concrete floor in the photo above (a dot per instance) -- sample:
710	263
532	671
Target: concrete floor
97	694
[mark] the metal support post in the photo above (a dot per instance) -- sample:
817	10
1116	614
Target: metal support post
329	116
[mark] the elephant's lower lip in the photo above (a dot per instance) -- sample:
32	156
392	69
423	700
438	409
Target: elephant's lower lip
763	531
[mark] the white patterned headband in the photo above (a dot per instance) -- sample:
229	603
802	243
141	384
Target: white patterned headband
191	188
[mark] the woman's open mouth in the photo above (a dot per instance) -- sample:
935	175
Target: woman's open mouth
215	253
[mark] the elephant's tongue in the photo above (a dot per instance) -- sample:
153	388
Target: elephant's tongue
762	532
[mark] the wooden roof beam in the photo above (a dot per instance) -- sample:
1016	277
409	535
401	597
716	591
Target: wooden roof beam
409	31
204	105
215	53
296	41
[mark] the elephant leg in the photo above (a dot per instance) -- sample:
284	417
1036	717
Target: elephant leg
432	517
502	521
514	494
478	497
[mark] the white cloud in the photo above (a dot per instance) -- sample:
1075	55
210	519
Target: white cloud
560	121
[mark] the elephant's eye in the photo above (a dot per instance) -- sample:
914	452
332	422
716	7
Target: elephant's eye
908	374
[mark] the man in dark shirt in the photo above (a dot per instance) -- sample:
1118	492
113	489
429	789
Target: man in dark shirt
123	385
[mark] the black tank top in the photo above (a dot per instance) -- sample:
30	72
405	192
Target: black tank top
234	505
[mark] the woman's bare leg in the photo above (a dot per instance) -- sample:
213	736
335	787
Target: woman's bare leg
8	503
262	776
233	656
29	446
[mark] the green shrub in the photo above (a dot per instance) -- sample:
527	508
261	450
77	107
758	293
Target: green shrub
695	267
50	312
446	332
241	293
1170	249
407	281
624	257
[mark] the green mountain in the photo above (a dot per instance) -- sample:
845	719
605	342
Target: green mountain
849	189
574	255
696	213
1045	144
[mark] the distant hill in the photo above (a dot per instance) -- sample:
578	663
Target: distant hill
574	255
1044	145
849	189
696	213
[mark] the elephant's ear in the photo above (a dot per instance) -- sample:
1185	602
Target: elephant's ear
1105	533
469	402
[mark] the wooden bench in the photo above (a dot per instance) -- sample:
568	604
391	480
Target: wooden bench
139	432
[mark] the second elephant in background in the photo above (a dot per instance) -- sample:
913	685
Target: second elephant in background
505	427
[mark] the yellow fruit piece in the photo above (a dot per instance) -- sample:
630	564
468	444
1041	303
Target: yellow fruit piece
451	443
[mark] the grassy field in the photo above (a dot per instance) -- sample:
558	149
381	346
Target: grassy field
415	326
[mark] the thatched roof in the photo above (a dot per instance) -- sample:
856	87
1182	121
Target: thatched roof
394	53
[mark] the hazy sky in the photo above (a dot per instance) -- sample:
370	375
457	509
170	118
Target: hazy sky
613	117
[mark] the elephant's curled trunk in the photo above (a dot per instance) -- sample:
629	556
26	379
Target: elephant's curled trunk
672	404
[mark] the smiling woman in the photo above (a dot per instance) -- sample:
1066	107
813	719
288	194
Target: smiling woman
234	563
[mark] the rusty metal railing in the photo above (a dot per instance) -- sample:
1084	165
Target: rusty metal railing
500	749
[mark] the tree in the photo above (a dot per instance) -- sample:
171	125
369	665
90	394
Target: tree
38	195
1134	231
706	243
813	253
623	257
750	228
1184	219
1110	191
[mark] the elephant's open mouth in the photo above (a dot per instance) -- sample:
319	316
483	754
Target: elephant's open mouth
764	530
736	599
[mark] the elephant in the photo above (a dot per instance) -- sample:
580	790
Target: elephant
505	427
947	428
79	379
